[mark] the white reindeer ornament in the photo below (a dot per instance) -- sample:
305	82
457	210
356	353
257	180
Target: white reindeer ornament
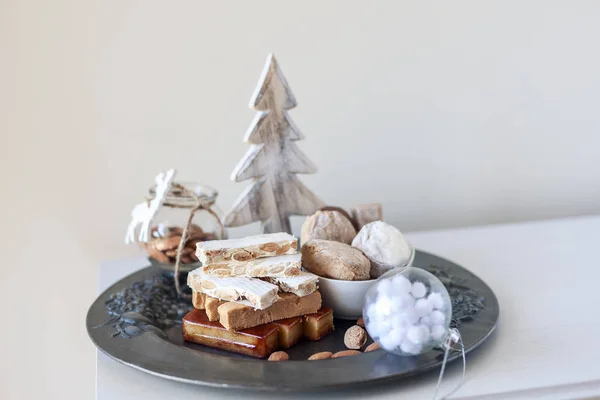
143	213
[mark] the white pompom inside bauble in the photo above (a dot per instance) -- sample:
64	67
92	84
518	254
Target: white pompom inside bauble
410	348
436	300
408	311
418	289
401	284
437	318
438	332
418	334
423	308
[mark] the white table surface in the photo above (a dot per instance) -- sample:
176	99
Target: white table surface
545	275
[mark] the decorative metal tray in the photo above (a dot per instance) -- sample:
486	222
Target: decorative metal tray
162	351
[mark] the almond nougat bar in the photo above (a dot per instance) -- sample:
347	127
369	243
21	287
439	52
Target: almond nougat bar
281	266
301	285
253	292
247	248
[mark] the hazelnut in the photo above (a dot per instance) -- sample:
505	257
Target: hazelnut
372	347
345	353
355	337
361	322
279	356
321	356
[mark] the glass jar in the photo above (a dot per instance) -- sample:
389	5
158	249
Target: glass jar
171	219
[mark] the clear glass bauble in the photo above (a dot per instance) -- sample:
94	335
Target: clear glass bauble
408	311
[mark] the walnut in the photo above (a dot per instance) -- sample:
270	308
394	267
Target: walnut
355	337
328	225
335	260
279	356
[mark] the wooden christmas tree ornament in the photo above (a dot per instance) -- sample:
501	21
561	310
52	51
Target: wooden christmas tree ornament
273	160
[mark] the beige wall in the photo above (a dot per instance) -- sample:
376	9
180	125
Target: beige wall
449	113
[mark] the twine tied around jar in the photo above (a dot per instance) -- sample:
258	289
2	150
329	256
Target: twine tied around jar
200	204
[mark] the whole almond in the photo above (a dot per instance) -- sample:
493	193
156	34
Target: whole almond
186	259
219	271
292	272
169	243
196	228
157	254
372	347
276	269
361	322
355	337
226	294
175	231
321	356
171	253
283	249
208	285
345	353
191	244
279	356
196	236
262	271
241	255
269	247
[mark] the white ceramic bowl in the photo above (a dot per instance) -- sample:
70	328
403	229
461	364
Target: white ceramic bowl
347	297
